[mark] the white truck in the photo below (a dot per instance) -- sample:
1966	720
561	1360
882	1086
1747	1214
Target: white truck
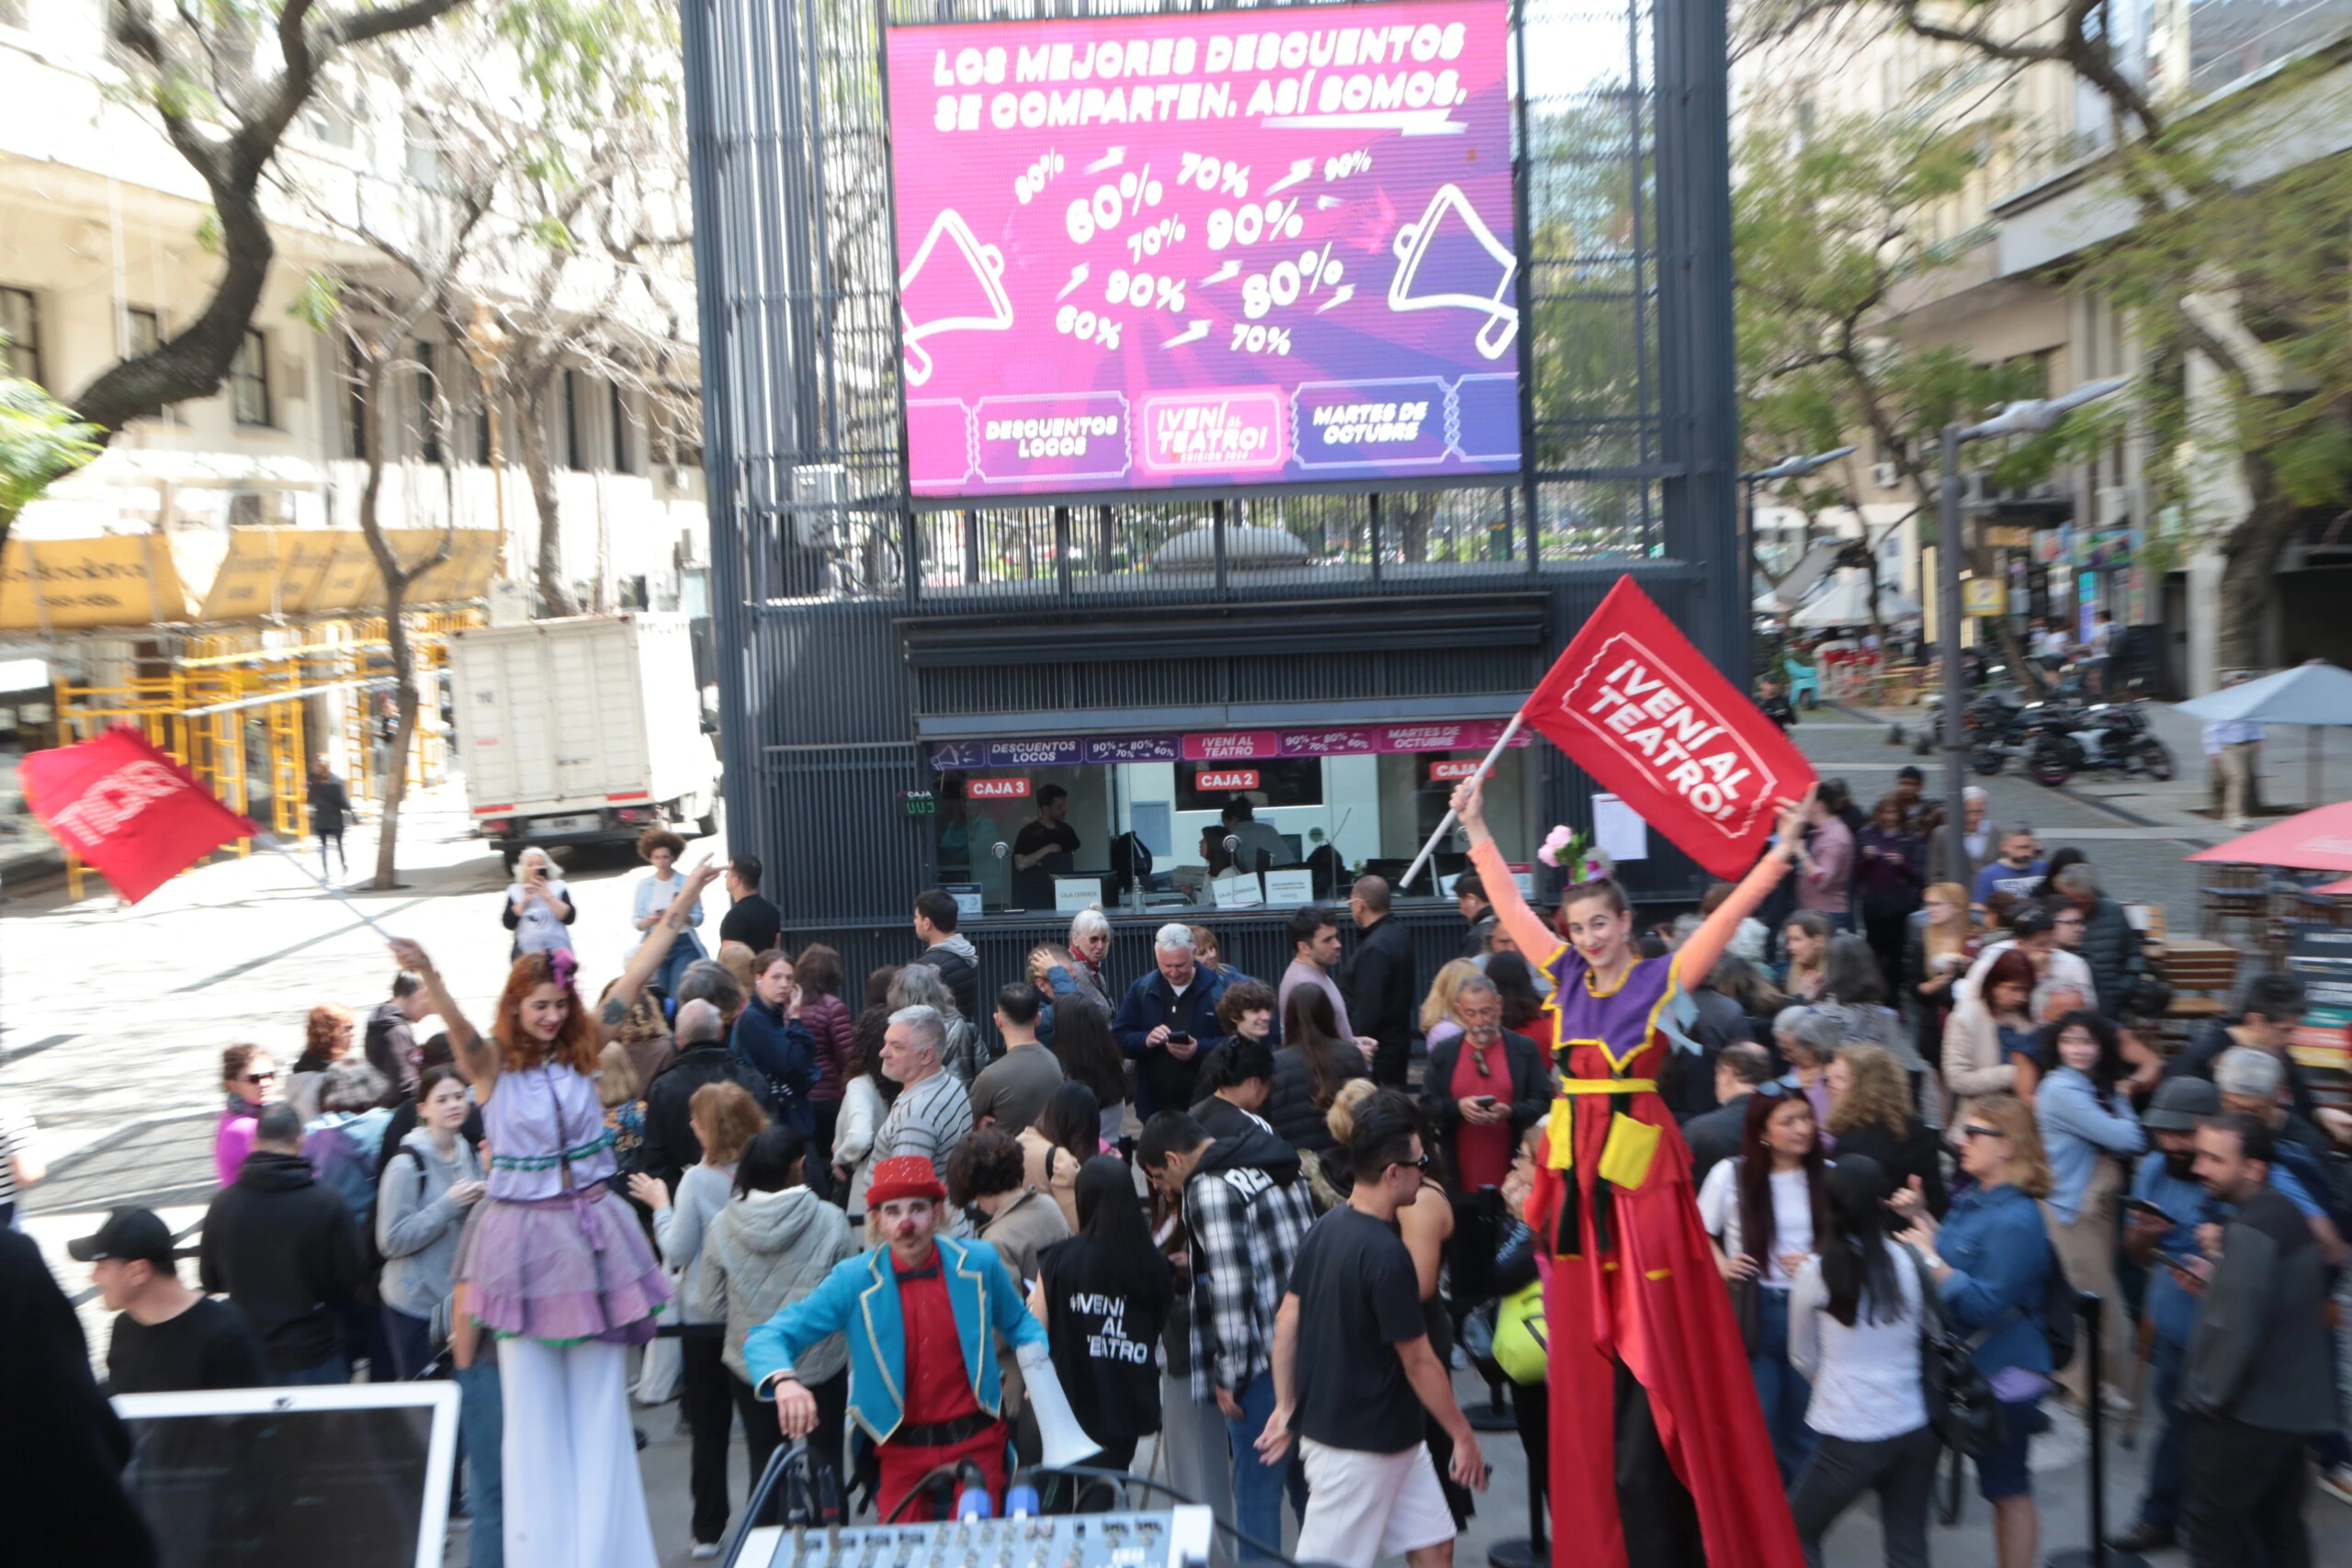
582	730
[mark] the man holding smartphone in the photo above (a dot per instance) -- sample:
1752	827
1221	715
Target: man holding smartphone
1167	1020
2166	1204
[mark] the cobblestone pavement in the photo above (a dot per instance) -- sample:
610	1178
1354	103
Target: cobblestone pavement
111	1022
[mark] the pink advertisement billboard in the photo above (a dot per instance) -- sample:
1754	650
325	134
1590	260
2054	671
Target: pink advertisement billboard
1207	250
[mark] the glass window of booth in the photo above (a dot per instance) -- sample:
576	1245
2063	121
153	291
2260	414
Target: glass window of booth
1177	834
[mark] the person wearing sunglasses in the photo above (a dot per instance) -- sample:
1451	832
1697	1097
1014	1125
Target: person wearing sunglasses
250	1079
1990	1259
1641	1336
1483	1089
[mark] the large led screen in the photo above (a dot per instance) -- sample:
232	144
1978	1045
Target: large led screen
1203	251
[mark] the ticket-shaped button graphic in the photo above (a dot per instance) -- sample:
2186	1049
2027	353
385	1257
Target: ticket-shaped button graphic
1356	425
1234	428
1074	435
939	444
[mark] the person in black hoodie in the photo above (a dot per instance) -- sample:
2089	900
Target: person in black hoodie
1382	995
1248	1205
286	1250
670	1145
1237	1078
1103	1295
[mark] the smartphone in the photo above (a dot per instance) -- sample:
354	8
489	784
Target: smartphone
2142	1206
1178	1037
2174	1260
1487	1103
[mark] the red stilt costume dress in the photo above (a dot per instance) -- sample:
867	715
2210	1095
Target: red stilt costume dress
1659	1456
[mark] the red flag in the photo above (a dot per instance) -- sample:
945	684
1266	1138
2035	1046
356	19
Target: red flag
1636	706
127	809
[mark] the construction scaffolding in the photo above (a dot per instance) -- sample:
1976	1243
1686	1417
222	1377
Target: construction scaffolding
245	708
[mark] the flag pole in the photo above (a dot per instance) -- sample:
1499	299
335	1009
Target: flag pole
1445	826
302	865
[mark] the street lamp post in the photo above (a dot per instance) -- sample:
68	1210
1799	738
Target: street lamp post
2018	418
1786	468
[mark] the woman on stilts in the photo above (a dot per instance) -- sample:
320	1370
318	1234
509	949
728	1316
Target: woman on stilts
1659	1455
554	1265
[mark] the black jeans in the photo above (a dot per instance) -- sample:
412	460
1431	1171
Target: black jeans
703	1400
1901	1471
761	1437
2246	1495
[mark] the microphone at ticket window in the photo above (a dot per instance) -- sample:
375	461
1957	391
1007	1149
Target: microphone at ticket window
954	284
1450	260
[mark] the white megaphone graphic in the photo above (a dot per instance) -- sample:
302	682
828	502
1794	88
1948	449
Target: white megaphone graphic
949	298
1061	1439
1458	273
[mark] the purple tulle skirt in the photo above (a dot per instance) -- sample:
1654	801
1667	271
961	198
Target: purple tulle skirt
563	1270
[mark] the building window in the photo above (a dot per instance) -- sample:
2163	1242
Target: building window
20	319
428	402
620	429
355	404
142	333
575	446
328	118
249	379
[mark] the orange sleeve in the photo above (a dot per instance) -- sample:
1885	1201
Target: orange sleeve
1537	941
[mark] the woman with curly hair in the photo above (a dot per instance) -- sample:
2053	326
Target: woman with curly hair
553	1263
661	848
326	1036
1870	1114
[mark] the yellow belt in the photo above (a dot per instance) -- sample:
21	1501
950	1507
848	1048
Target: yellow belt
1625	1157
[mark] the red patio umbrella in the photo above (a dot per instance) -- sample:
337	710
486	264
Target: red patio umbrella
2320	839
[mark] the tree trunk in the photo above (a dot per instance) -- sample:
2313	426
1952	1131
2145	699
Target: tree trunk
2249	562
403	733
530	438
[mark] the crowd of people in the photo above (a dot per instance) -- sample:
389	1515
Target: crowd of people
1249	1218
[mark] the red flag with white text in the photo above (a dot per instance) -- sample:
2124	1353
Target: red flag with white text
1639	708
127	809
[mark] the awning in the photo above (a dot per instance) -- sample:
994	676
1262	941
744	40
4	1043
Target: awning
2312	692
2319	839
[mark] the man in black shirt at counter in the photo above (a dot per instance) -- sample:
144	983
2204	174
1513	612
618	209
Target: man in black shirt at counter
169	1339
1046	848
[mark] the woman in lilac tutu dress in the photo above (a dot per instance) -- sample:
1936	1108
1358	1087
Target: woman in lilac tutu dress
554	1264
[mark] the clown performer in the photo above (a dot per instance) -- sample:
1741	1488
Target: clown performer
1659	1455
922	1314
553	1264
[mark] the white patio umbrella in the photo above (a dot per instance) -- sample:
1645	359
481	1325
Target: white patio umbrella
2313	694
1845	602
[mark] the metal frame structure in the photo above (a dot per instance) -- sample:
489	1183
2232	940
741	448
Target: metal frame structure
850	624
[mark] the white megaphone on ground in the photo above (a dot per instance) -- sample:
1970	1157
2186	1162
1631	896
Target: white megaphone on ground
1061	1439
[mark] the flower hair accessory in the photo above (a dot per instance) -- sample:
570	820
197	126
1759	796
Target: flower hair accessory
1575	855
562	965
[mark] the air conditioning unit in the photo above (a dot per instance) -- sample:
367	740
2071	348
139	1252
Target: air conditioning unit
819	491
1885	476
2114	506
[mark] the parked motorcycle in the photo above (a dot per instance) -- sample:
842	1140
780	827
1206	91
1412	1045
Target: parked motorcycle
2103	738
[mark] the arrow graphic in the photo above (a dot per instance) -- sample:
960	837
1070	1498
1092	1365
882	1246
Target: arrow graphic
1229	271
1110	160
1324	203
1340	296
1193	333
1300	168
1077	276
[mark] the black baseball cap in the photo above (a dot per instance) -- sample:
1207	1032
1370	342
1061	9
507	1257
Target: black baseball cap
130	1234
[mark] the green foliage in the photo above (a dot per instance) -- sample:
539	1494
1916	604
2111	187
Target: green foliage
1827	231
40	440
208	232
319	303
598	56
2269	265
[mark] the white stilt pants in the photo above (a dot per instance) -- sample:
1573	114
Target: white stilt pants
573	1497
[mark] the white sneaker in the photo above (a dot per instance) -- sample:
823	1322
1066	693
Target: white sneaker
705	1549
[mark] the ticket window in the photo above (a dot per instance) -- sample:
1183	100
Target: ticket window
1331	818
